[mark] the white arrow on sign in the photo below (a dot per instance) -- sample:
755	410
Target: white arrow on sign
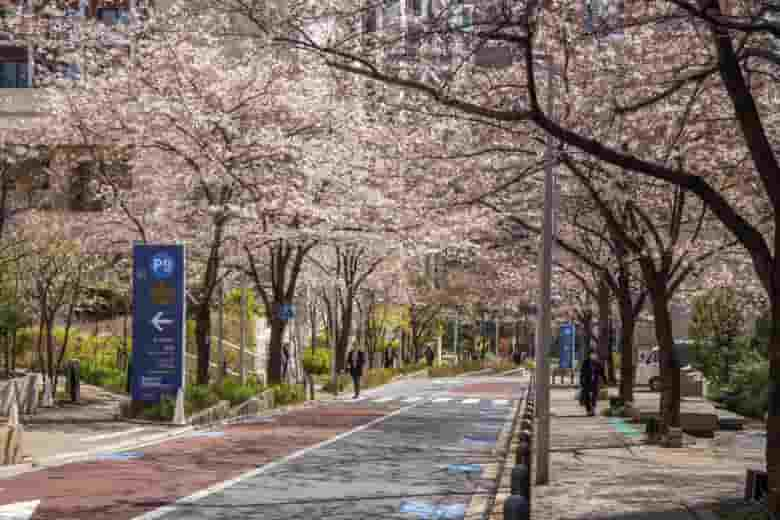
19	510
158	322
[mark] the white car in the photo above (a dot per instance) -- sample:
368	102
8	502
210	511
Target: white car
648	370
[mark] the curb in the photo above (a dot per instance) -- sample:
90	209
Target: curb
522	371
478	372
506	505
481	506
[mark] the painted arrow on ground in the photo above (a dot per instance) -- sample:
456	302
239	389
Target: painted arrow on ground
158	321
19	510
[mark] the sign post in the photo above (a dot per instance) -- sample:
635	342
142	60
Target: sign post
159	306
567	337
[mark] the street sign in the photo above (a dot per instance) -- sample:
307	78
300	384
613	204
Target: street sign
568	341
464	468
286	312
121	457
159	303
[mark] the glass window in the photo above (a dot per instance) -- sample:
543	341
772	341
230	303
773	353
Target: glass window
113	15
14	75
461	17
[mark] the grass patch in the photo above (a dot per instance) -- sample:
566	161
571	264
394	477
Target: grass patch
455	370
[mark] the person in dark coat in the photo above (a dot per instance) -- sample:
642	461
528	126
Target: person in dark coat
592	373
355	362
429	355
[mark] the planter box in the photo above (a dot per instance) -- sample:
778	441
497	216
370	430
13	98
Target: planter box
10	445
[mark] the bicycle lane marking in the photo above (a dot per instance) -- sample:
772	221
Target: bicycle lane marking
120	490
161	512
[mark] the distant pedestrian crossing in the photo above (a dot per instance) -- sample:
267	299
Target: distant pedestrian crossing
435	400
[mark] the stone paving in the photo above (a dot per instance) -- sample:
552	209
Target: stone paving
599	472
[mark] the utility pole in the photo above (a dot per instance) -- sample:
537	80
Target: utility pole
455	336
544	332
221	332
497	334
243	327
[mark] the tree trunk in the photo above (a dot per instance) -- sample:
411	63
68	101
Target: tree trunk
773	413
344	333
670	370
627	367
203	341
14	335
604	311
50	350
275	351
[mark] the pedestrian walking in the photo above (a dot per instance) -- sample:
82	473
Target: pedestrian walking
355	362
591	375
429	356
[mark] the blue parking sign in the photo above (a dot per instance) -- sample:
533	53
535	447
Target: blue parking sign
568	343
159	305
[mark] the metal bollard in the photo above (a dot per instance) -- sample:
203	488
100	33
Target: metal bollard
517	508
521	480
523	454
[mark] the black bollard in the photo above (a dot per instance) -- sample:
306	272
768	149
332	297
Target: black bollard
517	508
521	480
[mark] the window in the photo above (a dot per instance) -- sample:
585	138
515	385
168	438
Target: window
604	17
369	20
414	7
89	179
15	67
113	15
461	17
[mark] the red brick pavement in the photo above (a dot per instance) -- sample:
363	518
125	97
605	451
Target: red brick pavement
103	490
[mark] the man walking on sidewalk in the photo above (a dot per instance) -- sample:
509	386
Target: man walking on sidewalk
429	355
591	375
355	361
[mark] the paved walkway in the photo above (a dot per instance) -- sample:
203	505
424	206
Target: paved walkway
88	424
602	468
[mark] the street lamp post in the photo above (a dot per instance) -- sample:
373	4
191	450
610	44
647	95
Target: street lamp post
544	332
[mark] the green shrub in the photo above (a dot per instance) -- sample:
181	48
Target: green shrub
199	397
317	362
451	371
163	411
413	367
285	394
530	364
343	381
377	377
749	389
232	390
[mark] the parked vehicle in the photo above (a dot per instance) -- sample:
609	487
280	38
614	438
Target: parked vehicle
648	370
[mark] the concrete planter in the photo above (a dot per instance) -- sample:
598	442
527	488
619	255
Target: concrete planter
211	415
11	445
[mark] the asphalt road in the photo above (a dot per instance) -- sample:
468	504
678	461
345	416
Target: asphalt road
388	454
401	466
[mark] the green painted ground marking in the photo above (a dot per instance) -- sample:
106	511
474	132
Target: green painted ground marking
623	427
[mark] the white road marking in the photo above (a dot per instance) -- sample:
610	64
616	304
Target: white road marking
383	399
112	435
413	399
442	399
19	510
470	401
159	513
500	402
